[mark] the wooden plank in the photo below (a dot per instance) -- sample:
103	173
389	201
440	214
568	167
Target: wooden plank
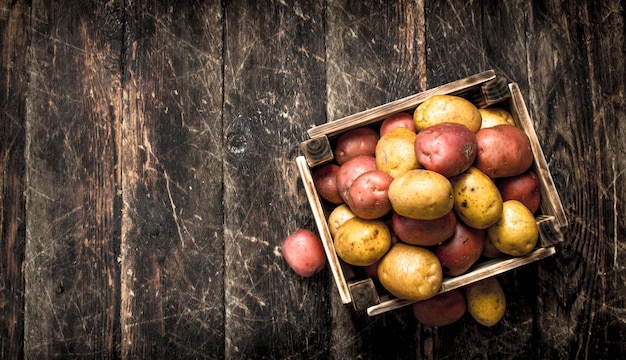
376	54
14	40
274	90
73	219
577	85
465	38
172	293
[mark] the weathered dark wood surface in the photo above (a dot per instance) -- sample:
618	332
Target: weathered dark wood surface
147	153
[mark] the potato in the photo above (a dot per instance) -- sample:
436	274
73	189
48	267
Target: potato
362	242
369	194
447	108
447	148
495	116
395	152
325	180
490	251
304	253
401	119
477	201
349	171
423	232
503	150
523	187
338	217
516	232
441	310
458	253
421	194
486	301
410	272
352	143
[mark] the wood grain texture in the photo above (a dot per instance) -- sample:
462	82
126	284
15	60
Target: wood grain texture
73	221
575	89
171	157
375	53
148	173
273	90
14	40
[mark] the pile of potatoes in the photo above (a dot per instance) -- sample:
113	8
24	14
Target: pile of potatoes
427	195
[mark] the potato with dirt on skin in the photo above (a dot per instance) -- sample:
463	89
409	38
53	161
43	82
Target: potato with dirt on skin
503	150
486	302
338	217
423	232
410	272
516	232
477	201
493	116
368	194
401	119
447	148
461	250
349	171
441	310
447	108
395	152
362	242
355	142
523	187
421	194
325	181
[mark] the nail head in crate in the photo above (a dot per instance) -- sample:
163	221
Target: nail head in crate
483	90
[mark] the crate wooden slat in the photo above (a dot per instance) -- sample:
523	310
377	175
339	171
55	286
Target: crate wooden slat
322	228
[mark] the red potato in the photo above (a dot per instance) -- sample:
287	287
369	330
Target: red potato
447	148
401	119
441	310
524	188
352	143
503	150
325	180
304	252
461	250
424	232
368	194
349	171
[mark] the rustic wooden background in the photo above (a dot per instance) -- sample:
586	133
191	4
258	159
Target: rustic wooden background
147	153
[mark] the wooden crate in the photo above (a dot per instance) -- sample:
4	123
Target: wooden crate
483	89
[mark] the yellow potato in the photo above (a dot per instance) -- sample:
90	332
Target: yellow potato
477	201
516	232
395	152
338	216
410	272
362	242
490	251
495	116
421	194
486	301
447	108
